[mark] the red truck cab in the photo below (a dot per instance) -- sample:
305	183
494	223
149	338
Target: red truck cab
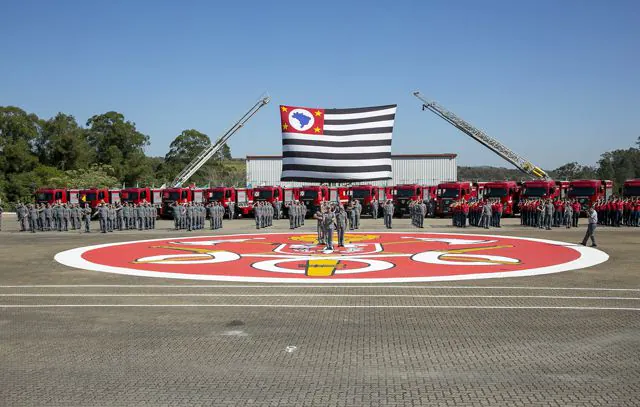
544	189
365	194
588	191
340	194
313	195
448	192
136	195
95	196
180	195
507	192
50	195
631	188
244	202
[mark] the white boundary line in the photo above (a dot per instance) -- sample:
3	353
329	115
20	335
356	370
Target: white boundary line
288	295
588	257
315	306
278	286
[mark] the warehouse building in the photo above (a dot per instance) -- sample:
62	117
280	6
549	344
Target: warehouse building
424	169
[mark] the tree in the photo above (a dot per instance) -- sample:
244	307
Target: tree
184	148
573	170
63	143
117	143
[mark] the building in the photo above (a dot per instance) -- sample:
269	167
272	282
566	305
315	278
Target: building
424	169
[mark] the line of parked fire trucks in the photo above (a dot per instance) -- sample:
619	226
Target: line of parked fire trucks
509	193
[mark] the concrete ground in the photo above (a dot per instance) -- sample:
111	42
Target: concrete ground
209	343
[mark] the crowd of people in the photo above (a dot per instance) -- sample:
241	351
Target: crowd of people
479	213
191	216
47	217
618	212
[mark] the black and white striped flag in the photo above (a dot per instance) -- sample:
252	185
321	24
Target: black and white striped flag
336	145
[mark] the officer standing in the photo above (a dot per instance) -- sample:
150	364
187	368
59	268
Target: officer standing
292	215
358	213
277	207
189	217
374	208
591	228
568	215
33	218
86	213
328	221
319	227
232	209
341	224
423	213
388	213
548	214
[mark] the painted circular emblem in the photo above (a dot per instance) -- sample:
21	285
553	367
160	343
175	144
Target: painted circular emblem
365	258
301	119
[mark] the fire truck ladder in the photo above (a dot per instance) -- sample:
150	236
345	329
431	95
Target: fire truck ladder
208	152
481	137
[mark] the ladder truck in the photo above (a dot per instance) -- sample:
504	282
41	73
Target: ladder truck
208	152
481	137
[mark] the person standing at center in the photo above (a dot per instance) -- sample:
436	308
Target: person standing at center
591	228
341	224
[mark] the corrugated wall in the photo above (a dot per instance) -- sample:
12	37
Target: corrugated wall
418	170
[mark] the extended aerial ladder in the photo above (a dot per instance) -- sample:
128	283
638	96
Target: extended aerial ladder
494	145
208	152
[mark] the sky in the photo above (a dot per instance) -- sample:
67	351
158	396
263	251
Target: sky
555	81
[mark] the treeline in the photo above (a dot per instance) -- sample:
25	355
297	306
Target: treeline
107	152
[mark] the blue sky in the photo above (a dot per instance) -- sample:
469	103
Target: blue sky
556	81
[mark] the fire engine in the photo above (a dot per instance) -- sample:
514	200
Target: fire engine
140	195
631	188
544	189
508	192
180	195
51	195
448	192
271	194
244	202
405	193
340	194
222	195
588	191
95	196
313	195
365	194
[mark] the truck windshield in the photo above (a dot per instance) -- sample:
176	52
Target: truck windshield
405	192
631	190
44	197
449	193
535	191
362	193
216	195
91	196
264	194
308	194
172	195
130	197
495	192
582	191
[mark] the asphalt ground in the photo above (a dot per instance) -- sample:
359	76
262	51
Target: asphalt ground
71	337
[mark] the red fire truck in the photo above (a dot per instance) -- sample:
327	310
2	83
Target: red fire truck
365	194
405	193
95	196
180	195
141	195
51	195
544	189
588	191
340	194
222	195
448	192
631	188
268	193
244	202
508	192
313	195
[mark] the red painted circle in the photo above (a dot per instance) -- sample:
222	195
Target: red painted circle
296	257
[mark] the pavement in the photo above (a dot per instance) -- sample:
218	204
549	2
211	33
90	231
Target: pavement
71	337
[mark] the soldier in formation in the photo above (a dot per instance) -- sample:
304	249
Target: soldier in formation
387	211
297	212
263	212
215	211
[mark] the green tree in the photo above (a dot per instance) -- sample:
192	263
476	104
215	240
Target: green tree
63	143
573	170
117	143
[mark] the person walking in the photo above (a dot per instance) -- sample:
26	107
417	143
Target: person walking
591	228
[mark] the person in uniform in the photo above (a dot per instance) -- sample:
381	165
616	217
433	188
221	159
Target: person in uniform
328	224
591	228
548	214
568	215
102	217
341	224
388	213
86	214
319	227
277	208
42	218
78	215
232	209
32	215
292	215
358	213
256	214
374	208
